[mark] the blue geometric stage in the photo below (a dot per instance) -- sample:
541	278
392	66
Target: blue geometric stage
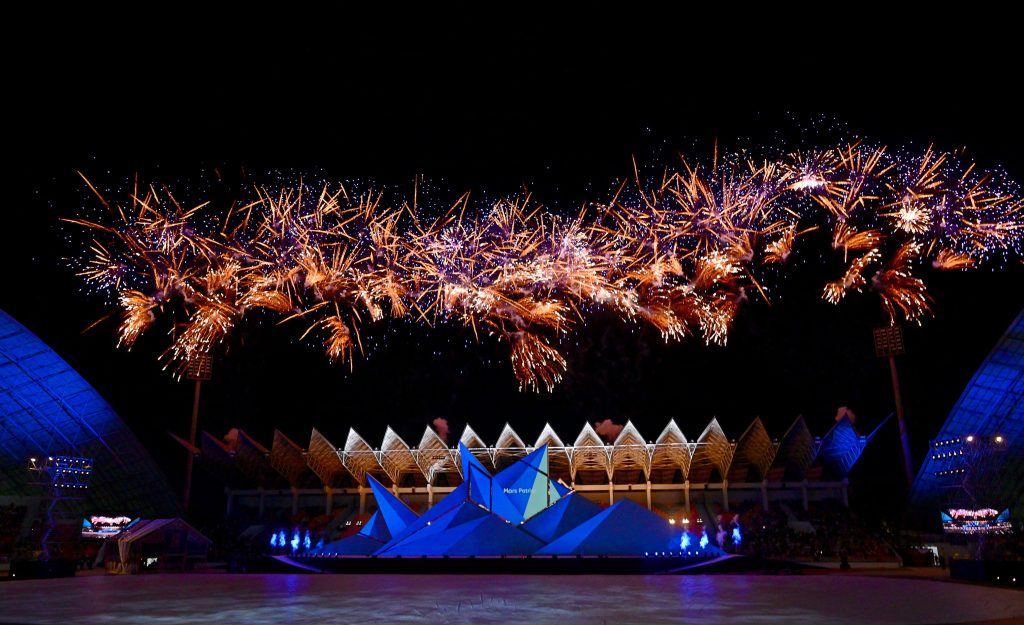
518	512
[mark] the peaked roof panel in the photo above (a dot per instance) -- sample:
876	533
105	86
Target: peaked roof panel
253	459
434	457
589	452
358	456
671	450
287	458
323	459
395	456
509	447
796	451
840	448
476	445
713	449
755	448
630	451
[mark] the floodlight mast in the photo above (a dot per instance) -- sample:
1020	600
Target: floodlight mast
889	344
200	368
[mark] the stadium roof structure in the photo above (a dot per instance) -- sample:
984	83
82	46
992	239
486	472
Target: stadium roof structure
242	462
515	512
47	409
977	458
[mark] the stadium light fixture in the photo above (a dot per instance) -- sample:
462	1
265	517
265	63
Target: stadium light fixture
889	344
200	369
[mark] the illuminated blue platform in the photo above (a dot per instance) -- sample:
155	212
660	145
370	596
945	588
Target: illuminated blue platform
519	512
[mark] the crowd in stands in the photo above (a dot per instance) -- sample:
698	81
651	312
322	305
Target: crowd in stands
826	531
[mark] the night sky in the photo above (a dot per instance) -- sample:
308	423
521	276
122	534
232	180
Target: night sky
560	107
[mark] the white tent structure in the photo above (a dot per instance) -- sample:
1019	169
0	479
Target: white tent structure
157	545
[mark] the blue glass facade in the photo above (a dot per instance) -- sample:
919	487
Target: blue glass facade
47	409
977	457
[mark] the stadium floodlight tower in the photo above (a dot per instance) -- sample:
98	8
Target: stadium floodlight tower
889	344
62	479
199	370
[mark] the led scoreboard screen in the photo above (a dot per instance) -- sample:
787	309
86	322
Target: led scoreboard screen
980	521
105	526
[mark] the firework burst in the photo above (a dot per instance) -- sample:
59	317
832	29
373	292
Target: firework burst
681	254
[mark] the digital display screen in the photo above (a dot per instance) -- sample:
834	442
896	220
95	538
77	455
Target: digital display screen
979	521
105	526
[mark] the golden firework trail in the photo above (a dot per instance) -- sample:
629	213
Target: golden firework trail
681	254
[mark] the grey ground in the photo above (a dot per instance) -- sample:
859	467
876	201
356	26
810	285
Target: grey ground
565	600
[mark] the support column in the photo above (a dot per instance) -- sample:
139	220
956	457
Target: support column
686	495
430	495
845	492
362	500
725	494
611	493
908	466
329	503
231	499
764	495
803	491
295	501
648	494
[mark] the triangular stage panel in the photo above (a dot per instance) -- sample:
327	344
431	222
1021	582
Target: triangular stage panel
526	487
468	460
357	545
442	508
560	488
376	528
564	515
487	535
396	514
623	529
392	517
477	477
